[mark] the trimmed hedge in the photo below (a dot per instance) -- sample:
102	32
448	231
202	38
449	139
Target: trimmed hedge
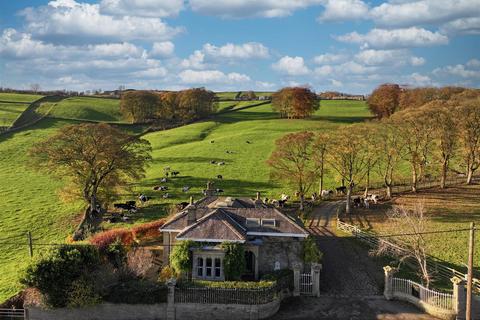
228	284
137	292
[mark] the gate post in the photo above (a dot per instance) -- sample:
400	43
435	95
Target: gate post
296	278
459	297
316	267
171	298
388	291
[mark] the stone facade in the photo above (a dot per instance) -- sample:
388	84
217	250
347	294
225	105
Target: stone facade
279	253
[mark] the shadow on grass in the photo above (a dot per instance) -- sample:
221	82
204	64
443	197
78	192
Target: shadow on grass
340	119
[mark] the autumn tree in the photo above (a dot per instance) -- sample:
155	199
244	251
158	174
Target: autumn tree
291	162
248	95
94	157
444	134
167	106
467	115
295	102
194	103
415	129
139	106
348	156
384	100
390	150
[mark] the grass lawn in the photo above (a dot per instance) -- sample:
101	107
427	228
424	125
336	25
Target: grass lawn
12	105
86	108
452	208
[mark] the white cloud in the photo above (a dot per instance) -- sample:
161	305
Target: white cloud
211	76
142	8
237	51
15	44
329	58
395	38
157	72
162	49
263	85
458	70
422	12
336	83
473	63
115	50
70	21
324	70
337	10
196	61
250	8
397	57
293	66
462	26
419	80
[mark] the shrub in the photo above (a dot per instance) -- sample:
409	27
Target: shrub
82	293
228	284
234	261
103	239
148	231
137	292
180	259
311	253
55	274
166	273
283	278
116	253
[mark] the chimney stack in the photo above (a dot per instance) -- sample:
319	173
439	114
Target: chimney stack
191	214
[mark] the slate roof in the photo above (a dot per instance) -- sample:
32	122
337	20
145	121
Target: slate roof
221	219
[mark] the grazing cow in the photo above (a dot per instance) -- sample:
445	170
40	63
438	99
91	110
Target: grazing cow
163	180
213	162
314	196
326	193
185	189
265	200
229	152
166	196
204	192
357	201
182	205
131	203
126	206
218	190
284	197
160	188
281	203
342	190
248	142
219	176
143	198
175	173
373	197
221	163
212	141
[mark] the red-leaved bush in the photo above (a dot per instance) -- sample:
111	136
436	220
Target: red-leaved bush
148	231
104	239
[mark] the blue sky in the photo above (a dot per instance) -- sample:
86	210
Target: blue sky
343	45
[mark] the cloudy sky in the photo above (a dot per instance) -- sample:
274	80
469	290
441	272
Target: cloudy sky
345	45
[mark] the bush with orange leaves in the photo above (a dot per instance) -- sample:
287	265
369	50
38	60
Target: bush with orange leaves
104	239
148	231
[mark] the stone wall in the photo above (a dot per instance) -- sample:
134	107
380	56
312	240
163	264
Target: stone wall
286	251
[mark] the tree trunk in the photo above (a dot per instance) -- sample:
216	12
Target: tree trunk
320	187
349	195
469	175
414	178
367	183
443	181
302	199
389	191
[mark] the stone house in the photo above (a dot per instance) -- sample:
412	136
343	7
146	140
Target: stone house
273	240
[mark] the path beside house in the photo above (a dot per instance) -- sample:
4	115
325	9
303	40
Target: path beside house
348	270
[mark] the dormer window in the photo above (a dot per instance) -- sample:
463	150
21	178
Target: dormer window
268	223
253	222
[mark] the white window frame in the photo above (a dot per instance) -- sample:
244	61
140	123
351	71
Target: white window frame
212	268
253	222
269	221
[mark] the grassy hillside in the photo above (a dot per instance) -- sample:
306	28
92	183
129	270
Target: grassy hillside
87	108
12	105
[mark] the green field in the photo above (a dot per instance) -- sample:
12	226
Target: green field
12	105
87	108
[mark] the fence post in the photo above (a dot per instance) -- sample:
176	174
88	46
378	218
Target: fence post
296	278
459	297
388	291
171	298
316	267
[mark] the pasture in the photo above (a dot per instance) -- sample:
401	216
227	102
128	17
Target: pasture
12	105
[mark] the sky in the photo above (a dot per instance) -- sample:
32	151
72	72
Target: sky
350	46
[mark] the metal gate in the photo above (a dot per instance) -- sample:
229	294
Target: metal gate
13	314
306	284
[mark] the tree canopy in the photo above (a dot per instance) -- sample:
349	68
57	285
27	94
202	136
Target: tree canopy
295	102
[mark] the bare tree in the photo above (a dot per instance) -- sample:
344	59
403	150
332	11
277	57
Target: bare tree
320	149
35	87
410	225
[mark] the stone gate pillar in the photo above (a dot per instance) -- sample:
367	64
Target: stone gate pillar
171	298
459	297
316	268
296	278
388	291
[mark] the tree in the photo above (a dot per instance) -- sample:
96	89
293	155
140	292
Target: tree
384	100
311	253
295	102
35	87
168	104
139	106
180	257
412	226
291	162
370	141
348	156
468	121
444	134
320	149
94	157
234	261
248	95
194	104
390	152
415	128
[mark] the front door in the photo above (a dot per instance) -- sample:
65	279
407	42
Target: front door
249	266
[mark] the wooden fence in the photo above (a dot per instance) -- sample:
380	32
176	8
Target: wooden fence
437	299
253	296
395	249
